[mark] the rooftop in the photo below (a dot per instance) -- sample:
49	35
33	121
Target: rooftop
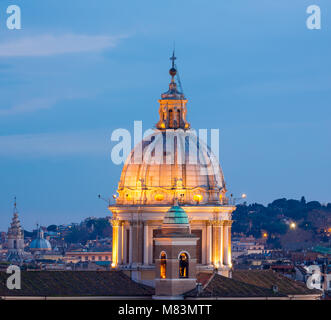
250	283
75	284
243	284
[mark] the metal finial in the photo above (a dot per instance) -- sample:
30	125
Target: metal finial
15	205
173	58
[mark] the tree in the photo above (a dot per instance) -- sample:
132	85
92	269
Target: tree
303	200
313	205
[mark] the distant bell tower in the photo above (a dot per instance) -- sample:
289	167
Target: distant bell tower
175	251
173	105
15	238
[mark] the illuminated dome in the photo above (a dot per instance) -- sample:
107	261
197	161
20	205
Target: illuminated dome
171	194
173	164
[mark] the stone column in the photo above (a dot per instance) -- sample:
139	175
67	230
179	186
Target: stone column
226	237
130	243
229	244
209	243
120	244
222	244
115	223
217	242
214	244
146	242
124	244
150	245
138	244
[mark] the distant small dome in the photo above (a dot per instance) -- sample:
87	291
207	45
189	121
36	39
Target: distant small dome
40	244
176	215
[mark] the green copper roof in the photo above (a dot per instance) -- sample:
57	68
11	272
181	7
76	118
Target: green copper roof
322	250
175	215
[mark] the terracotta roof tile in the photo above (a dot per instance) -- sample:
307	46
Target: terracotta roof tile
75	283
269	278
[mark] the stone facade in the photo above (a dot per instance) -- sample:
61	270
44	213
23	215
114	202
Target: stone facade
149	185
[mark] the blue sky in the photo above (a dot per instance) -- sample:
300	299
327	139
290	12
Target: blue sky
80	69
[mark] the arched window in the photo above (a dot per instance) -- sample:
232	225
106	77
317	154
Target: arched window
171	118
163	265
183	265
178	118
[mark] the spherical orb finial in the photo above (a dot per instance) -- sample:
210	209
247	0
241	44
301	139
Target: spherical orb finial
173	72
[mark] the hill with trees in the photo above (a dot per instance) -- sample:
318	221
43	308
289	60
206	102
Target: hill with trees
311	221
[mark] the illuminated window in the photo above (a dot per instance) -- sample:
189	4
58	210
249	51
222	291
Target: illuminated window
163	265
183	265
106	257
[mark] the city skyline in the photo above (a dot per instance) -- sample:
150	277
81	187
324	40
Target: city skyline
266	89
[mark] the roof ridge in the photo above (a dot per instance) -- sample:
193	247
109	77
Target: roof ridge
210	279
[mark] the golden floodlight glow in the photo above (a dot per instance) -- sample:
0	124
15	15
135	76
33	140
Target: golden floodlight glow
198	197
159	197
293	225
244	195
265	235
115	224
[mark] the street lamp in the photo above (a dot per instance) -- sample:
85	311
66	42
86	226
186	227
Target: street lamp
108	200
293	225
234	200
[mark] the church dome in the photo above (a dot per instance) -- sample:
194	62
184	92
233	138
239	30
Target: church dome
171	164
40	244
176	215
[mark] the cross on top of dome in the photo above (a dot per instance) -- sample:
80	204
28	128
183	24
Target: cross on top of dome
173	92
173	70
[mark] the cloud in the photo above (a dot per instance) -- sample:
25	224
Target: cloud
29	106
49	45
88	143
